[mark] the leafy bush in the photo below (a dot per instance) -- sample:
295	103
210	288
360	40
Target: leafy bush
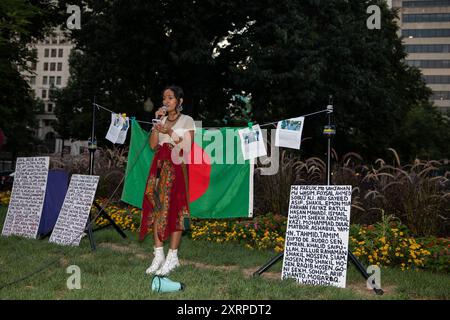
272	191
109	164
263	232
386	243
418	193
5	196
126	217
389	243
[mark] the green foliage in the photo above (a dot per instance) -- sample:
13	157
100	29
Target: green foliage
21	22
424	133
417	193
272	192
389	243
289	57
109	164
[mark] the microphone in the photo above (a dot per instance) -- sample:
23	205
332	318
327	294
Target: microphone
164	109
158	119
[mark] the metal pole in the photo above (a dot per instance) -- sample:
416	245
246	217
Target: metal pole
91	147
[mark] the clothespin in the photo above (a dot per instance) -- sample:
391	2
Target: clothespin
124	115
133	119
250	125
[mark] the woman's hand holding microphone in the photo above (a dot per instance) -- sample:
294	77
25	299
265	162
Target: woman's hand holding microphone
161	112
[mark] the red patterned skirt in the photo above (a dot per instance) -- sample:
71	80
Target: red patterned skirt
166	195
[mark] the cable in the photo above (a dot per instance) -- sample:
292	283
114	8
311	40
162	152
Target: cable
261	125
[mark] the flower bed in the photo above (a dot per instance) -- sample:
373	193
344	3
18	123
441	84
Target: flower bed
263	232
4	198
376	244
127	218
393	245
384	243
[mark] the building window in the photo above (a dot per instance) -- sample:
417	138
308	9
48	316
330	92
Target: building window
59	66
50	107
52	66
437	79
51	80
429	64
47	123
58	80
62	40
51	94
45	66
441	95
53	53
426	17
46	53
427	48
426	33
54	40
33	66
60	53
32	80
428	3
44	94
44	80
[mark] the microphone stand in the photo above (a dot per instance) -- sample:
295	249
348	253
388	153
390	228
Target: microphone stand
92	147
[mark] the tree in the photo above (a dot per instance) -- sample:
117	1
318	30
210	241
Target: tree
288	56
424	133
297	53
21	23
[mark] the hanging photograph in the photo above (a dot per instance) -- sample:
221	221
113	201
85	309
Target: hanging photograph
289	133
117	123
252	142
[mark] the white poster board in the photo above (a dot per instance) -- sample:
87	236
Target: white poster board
27	197
316	246
75	210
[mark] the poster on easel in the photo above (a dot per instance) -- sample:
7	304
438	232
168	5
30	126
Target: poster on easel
316	246
27	197
74	214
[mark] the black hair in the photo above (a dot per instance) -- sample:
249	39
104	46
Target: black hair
177	91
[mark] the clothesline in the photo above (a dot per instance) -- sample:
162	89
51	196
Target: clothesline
329	109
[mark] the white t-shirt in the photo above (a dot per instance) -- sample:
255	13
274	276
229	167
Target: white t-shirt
184	124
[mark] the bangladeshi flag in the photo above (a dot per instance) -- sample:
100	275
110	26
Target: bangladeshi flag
220	181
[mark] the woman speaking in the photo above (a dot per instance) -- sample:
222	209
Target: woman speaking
166	203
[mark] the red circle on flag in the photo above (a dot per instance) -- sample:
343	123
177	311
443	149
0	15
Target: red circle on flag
199	172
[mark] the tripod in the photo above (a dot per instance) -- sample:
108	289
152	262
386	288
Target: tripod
329	131
92	146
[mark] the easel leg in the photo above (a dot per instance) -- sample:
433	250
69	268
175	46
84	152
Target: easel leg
90	234
363	272
111	221
268	265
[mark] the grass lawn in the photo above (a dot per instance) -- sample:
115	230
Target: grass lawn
209	270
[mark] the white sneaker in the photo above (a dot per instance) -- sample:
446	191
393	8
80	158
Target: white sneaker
170	264
158	261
